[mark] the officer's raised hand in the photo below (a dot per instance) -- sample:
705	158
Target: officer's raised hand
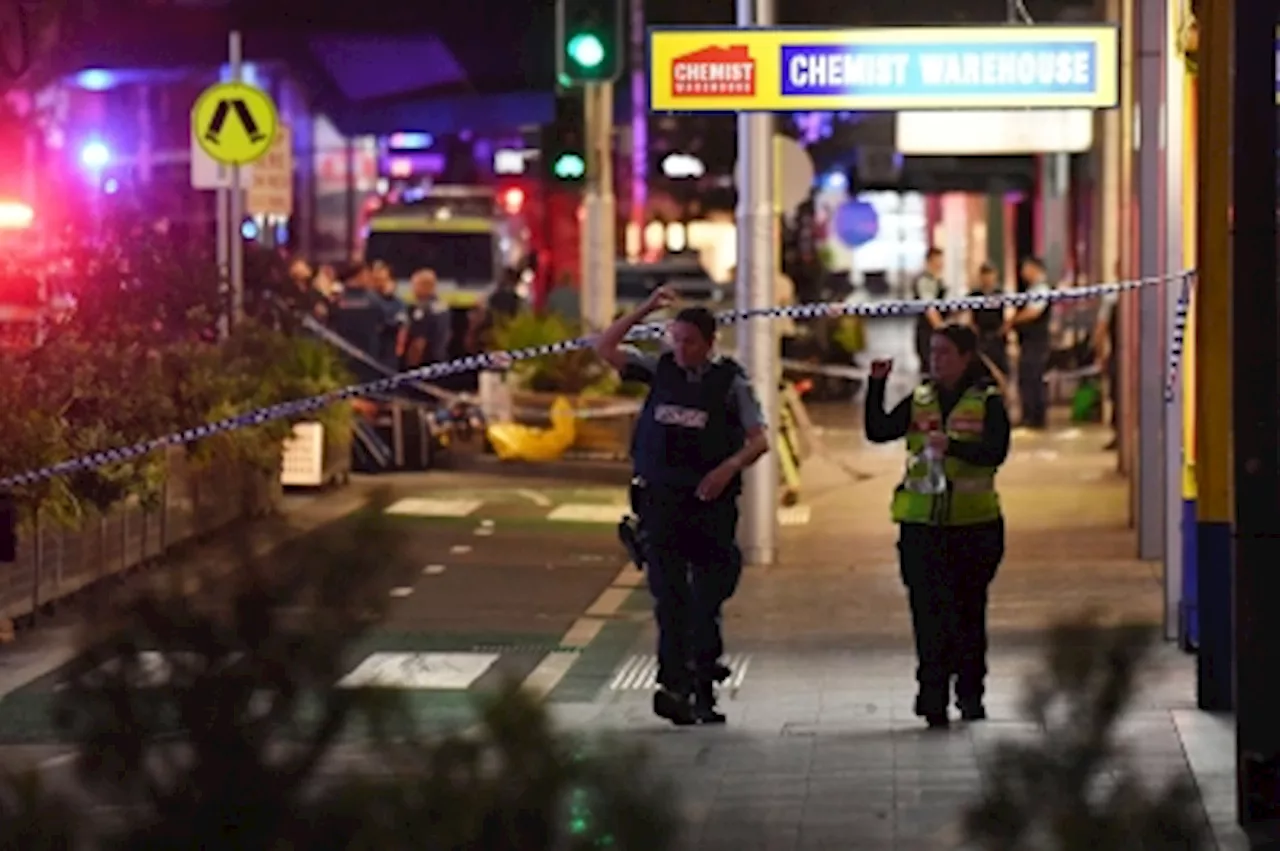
881	368
661	298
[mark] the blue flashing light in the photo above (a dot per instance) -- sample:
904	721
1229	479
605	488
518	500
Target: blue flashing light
410	141
95	155
835	180
249	229
95	80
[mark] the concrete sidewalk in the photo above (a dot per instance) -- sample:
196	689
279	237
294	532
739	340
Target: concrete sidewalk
822	750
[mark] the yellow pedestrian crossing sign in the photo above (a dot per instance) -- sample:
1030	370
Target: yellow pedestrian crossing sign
234	123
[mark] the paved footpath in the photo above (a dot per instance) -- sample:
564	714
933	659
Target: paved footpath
821	750
519	575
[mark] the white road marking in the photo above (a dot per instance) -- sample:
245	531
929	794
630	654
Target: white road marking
401	591
488	524
629	578
537	498
416	507
608	602
553	667
433	569
484	531
419	671
640	673
583	512
460	549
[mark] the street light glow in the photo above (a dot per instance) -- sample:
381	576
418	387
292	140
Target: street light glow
586	50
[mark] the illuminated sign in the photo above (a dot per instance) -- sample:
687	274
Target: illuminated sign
1009	131
782	70
682	166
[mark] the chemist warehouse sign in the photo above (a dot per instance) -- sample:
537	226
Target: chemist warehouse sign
780	70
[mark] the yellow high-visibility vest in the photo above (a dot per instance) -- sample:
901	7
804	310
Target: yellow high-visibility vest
971	495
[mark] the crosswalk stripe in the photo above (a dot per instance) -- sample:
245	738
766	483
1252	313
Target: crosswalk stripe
640	673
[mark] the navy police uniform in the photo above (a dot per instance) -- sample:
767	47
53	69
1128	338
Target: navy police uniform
360	317
692	421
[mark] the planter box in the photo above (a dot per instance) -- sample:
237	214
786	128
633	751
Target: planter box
56	561
606	435
313	458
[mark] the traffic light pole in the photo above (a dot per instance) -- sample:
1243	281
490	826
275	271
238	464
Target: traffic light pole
599	240
757	274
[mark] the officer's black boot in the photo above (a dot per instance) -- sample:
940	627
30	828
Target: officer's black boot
704	704
674	705
934	712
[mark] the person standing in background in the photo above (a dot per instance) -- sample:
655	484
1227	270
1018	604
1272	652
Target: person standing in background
1032	324
1104	344
927	287
395	315
989	322
425	338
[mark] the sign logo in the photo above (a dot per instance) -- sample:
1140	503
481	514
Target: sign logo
234	123
714	72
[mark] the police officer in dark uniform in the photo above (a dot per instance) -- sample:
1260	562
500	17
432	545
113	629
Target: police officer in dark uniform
927	287
951	529
1031	322
360	317
700	427
989	323
425	339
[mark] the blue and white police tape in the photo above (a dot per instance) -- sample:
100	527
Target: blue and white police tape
1178	337
503	360
491	410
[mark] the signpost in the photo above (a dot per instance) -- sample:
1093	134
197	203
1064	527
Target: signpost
232	125
271	186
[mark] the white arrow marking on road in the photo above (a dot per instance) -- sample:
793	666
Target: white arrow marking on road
538	499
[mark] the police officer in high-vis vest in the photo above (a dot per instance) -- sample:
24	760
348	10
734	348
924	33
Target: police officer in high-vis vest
700	427
951	528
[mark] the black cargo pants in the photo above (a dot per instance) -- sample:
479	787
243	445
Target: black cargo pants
694	566
947	571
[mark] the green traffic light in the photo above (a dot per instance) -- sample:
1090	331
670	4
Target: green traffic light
586	50
569	167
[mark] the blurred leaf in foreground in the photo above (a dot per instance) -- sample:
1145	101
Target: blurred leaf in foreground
1074	786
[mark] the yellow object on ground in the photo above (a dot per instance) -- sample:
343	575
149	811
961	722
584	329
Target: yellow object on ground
512	442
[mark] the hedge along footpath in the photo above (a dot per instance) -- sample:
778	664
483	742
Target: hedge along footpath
138	356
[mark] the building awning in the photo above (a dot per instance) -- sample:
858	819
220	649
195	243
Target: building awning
478	113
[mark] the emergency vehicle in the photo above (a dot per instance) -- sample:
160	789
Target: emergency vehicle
467	234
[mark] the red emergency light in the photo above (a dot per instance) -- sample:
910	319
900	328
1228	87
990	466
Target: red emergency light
15	215
513	200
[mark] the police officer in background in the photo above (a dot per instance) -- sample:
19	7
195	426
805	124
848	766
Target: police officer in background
359	316
989	323
700	427
424	339
927	287
1031	322
951	530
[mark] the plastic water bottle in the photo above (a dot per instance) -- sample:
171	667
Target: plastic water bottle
935	479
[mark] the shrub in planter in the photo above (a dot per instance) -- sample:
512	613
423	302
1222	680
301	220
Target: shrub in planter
569	373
